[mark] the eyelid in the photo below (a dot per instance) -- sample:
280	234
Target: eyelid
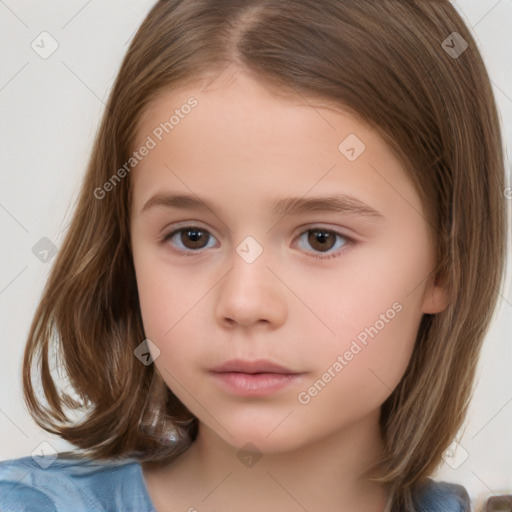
182	225
340	230
344	231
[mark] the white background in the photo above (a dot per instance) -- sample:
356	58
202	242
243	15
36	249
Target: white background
50	110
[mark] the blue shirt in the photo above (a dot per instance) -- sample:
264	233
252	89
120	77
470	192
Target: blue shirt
69	485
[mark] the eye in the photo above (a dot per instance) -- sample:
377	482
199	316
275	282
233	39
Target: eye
323	240
189	239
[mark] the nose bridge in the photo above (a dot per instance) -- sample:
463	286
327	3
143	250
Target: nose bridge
250	250
250	292
249	268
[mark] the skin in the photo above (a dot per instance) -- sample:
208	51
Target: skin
240	147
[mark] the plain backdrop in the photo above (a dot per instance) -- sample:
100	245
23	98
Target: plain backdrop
50	110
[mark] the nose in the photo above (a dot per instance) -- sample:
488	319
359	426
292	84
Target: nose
251	294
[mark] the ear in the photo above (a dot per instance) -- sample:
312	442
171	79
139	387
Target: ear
435	298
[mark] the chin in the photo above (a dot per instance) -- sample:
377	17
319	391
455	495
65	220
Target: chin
263	437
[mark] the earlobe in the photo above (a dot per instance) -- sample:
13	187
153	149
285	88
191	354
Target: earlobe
435	298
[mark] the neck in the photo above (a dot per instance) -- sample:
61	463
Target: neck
326	474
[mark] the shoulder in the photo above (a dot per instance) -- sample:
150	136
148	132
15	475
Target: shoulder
72	484
435	496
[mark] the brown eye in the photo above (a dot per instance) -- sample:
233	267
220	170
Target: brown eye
189	239
321	240
193	238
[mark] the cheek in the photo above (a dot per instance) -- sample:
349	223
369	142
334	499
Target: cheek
166	294
382	348
172	302
155	308
374	311
356	376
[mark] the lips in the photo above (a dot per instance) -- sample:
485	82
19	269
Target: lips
256	366
254	379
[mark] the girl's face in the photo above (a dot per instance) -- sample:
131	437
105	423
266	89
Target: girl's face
253	263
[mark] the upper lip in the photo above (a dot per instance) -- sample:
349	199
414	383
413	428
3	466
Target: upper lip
256	366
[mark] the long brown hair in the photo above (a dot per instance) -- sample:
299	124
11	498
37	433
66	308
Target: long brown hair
386	61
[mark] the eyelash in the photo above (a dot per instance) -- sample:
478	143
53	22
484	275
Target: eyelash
190	252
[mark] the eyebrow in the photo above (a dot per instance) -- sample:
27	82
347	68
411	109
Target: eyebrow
338	203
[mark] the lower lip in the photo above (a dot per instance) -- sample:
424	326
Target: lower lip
255	384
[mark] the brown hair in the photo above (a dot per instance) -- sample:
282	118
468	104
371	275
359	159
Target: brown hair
385	62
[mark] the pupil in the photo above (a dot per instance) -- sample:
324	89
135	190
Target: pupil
194	236
320	238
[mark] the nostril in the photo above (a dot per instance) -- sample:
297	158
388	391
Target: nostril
229	321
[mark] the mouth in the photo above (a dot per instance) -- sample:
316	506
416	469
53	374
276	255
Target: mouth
252	367
253	378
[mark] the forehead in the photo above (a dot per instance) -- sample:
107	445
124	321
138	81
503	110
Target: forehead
241	136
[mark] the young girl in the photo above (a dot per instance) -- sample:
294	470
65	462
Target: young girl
285	256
